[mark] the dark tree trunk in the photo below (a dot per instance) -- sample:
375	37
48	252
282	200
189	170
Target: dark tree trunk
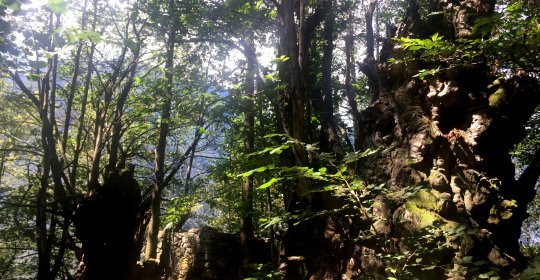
107	224
306	252
329	138
117	118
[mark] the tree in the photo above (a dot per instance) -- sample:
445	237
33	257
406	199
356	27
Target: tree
458	136
444	121
159	169
89	118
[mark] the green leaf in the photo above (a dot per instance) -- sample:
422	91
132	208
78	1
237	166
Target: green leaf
58	6
93	37
391	270
279	150
33	77
483	26
269	183
247	174
258	170
480	263
131	44
269	77
422	73
272	222
282	58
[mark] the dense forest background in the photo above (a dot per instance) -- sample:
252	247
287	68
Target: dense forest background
364	139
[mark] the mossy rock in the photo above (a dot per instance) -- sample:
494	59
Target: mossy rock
424	207
426	199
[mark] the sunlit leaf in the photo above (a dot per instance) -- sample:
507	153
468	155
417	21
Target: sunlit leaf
58	6
269	183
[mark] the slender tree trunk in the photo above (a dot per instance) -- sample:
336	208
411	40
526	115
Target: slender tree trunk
62	246
197	136
82	116
159	169
294	93
187	187
2	165
117	117
246	221
100	128
370	37
350	93
329	138
43	245
73	83
52	166
84	101
296	43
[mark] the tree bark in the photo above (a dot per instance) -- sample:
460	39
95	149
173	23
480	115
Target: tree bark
444	134
117	117
297	45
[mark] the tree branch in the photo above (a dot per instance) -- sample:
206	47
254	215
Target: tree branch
529	178
25	89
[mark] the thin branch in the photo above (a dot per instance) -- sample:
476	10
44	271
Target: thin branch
25	89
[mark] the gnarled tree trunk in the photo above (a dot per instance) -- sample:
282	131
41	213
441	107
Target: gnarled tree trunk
449	135
451	132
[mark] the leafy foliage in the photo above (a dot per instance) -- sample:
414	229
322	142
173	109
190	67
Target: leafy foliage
93	82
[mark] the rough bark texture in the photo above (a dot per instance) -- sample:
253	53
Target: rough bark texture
444	135
449	134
